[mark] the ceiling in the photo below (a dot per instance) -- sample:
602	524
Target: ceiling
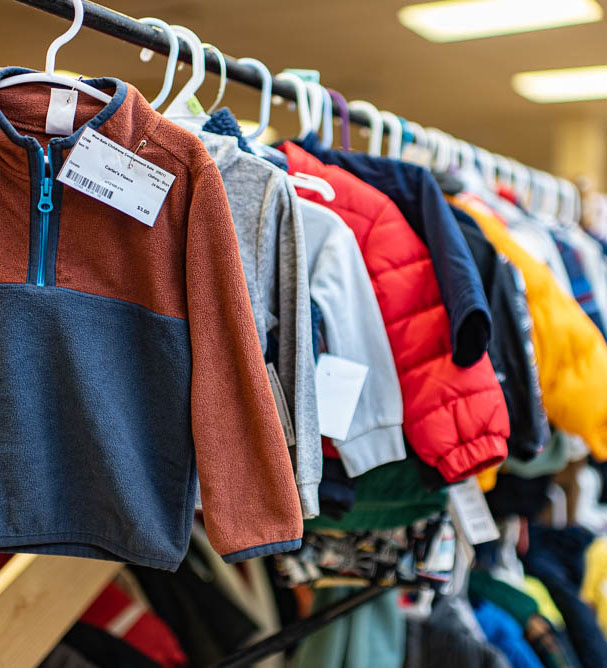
360	49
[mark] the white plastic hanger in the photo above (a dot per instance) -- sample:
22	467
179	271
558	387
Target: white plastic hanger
169	73
303	108
223	75
180	107
266	95
465	153
488	166
395	137
376	122
504	170
315	183
49	76
440	144
321	112
521	181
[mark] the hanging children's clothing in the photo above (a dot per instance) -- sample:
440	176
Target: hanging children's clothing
455	418
272	247
353	329
418	197
571	353
128	349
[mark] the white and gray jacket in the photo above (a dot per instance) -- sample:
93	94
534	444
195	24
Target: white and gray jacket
354	329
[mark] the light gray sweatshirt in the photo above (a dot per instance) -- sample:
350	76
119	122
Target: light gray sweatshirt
354	329
272	246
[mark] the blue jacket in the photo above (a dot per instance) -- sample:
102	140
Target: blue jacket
414	190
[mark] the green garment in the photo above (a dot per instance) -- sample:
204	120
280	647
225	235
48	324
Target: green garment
387	497
514	601
552	459
372	635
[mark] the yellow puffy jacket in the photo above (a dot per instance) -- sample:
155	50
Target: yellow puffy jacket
571	352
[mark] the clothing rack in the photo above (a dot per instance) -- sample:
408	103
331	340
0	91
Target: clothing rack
128	29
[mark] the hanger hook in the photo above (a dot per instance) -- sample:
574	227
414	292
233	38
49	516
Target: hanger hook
420	135
439	142
169	73
266	95
487	165
223	74
466	154
303	108
321	111
395	136
504	170
327	118
376	122
67	36
344	115
315	101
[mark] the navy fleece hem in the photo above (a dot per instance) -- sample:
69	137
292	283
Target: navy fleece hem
262	551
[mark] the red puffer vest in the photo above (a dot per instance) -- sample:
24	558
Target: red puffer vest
454	417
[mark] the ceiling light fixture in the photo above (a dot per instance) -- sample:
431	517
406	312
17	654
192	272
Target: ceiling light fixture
457	20
569	85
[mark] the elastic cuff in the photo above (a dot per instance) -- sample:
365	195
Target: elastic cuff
308	497
262	551
470	458
470	335
370	450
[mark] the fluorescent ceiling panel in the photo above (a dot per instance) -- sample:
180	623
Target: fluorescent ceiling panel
457	20
569	85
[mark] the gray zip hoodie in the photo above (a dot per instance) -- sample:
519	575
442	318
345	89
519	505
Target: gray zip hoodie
272	246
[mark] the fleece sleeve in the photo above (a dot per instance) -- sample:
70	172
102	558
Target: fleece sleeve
249	496
354	329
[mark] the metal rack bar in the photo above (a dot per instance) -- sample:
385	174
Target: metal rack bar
298	630
116	24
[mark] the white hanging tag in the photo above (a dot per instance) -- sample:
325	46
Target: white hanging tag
61	112
339	383
473	512
110	173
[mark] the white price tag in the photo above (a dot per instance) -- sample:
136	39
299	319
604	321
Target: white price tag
281	404
61	112
473	512
339	383
110	173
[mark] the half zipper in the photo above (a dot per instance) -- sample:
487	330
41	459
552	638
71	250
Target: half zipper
45	206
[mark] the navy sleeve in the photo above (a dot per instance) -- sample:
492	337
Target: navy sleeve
415	192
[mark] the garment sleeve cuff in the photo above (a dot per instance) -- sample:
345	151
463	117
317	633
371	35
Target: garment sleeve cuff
372	449
262	551
470	458
308	497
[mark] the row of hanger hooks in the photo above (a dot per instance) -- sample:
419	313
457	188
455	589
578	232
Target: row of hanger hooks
543	193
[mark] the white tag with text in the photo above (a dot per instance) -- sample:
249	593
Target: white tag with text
339	383
281	405
110	173
473	512
61	112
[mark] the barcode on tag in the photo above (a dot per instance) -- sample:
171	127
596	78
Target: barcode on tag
88	185
472	512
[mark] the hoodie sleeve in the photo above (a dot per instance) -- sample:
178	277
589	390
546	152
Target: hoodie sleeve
249	496
287	277
354	329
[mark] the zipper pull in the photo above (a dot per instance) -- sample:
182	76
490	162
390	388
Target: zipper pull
45	203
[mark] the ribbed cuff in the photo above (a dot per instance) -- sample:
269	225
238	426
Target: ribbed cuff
308	497
370	450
